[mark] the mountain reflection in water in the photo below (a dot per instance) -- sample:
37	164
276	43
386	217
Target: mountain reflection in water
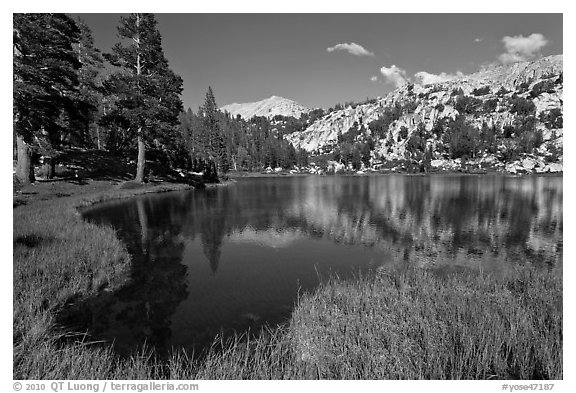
233	258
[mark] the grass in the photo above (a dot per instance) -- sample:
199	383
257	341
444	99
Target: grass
428	325
59	258
397	324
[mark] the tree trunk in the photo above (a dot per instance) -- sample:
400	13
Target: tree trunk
24	168
49	167
141	158
98	138
141	146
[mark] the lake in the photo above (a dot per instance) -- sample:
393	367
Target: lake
235	258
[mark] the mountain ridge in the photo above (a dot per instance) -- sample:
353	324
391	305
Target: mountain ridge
495	92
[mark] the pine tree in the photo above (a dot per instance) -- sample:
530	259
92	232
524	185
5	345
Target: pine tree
44	81
147	91
91	97
212	145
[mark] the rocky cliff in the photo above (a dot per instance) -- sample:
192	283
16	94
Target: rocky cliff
511	98
268	107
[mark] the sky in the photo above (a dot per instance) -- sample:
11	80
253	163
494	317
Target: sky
319	60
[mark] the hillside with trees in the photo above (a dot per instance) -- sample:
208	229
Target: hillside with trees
508	118
69	95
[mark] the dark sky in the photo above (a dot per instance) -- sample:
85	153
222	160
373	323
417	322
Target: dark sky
248	57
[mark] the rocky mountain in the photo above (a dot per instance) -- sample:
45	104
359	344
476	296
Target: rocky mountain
519	102
268	107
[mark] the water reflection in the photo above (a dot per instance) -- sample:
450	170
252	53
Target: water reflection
232	258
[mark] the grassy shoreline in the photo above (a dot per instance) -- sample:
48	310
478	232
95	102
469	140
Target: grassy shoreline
400	324
60	258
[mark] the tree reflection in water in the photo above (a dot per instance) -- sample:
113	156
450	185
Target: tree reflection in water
235	257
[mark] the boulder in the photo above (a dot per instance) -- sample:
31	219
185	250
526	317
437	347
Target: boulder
513	167
554	167
437	163
528	163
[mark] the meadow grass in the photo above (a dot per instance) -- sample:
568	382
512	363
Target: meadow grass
59	258
396	324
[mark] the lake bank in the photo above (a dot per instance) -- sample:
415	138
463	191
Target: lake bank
59	258
337	310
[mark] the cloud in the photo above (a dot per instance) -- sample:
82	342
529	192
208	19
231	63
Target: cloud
426	78
520	48
352	48
374	78
478	39
395	75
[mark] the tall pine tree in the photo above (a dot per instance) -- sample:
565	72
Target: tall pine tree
211	140
45	81
147	91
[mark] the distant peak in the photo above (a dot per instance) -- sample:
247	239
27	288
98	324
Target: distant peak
268	107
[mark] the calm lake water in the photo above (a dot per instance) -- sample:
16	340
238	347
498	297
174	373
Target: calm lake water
234	258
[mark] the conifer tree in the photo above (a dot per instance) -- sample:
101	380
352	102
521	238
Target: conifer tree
45	80
147	91
213	148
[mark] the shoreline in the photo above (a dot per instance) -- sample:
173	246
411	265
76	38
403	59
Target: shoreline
389	173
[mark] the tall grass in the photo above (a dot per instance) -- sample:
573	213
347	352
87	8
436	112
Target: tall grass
397	324
59	258
418	324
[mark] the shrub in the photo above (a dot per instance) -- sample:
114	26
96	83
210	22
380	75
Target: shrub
403	132
552	119
482	91
490	105
352	133
461	138
530	141
417	142
380	126
438	127
436	89
488	136
457	92
510	150
523	87
468	105
409	107
522	106
555	153
508	131
502	92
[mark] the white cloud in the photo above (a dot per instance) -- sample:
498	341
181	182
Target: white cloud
520	48
395	75
352	48
425	78
374	78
